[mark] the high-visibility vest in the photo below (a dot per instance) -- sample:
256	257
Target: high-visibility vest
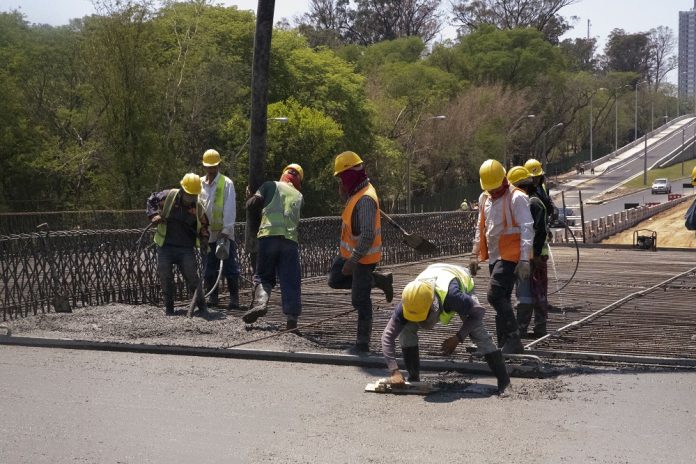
350	241
216	223
282	215
442	274
509	241
161	231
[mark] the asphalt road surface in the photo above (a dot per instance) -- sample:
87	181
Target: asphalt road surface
63	406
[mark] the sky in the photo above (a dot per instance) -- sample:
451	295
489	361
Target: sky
604	15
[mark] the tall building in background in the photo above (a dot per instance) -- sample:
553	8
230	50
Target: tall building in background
687	53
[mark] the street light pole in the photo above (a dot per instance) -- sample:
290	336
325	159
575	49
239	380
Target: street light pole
410	156
592	123
510	131
616	116
635	129
543	140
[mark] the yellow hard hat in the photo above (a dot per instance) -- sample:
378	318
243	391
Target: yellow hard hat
297	168
346	160
492	174
693	176
534	167
517	174
211	158
191	183
416	299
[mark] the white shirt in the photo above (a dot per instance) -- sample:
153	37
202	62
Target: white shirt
229	209
493	211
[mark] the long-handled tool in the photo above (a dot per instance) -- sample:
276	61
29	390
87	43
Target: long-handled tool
414	241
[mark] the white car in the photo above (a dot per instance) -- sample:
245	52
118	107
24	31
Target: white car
661	186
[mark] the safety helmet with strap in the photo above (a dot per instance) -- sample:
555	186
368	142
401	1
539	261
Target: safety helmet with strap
492	174
534	167
346	160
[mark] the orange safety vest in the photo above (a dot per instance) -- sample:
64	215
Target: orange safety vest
350	241
509	242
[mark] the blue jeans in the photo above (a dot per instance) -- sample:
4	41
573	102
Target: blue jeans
360	283
500	297
167	257
230	268
280	256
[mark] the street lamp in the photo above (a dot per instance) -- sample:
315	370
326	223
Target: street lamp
616	115
510	131
635	129
592	122
543	139
439	117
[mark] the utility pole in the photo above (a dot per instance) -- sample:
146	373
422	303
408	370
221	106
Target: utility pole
645	161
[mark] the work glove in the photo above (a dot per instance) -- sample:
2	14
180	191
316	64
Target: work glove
156	219
348	268
473	265
523	270
449	345
396	378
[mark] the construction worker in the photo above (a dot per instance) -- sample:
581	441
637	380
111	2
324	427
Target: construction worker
534	167
277	206
504	238
439	293
218	200
361	245
181	226
531	293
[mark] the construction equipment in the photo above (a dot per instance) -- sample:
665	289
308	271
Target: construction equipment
59	300
643	241
408	388
414	241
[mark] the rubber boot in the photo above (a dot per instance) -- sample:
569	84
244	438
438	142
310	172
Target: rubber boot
259	307
362	341
233	286
385	282
497	365
292	326
513	344
540	329
524	316
540	318
213	298
169	311
412	362
200	303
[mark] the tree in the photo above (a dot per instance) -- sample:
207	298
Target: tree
579	54
628	53
542	15
661	61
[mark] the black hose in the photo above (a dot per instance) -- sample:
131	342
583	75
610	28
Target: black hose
577	260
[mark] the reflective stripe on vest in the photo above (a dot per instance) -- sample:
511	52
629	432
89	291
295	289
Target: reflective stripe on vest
442	274
161	231
509	241
282	215
350	241
216	223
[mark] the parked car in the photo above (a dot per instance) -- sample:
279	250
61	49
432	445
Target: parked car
661	186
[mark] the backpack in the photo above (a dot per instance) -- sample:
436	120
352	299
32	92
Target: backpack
690	217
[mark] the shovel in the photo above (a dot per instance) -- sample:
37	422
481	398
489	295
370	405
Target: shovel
414	241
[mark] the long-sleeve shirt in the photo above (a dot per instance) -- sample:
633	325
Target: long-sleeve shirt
494	225
181	222
466	306
536	208
229	208
363	223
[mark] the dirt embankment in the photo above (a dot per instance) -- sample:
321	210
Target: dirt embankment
669	226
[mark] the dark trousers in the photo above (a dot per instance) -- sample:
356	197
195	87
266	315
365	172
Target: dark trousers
280	256
540	284
183	257
230	268
360	284
500	297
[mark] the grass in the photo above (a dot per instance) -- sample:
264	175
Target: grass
671	172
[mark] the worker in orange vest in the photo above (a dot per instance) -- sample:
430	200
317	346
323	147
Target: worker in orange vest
503	237
361	245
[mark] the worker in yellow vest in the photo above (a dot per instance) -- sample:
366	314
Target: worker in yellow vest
218	199
276	206
361	245
503	237
439	293
181	226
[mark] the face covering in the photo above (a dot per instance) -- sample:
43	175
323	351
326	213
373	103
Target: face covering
291	179
500	191
351	178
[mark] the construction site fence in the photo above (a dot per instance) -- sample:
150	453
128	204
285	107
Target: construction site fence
97	267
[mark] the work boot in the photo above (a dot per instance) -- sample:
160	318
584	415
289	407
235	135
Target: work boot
169	311
292	326
412	362
213	298
359	349
362	340
259	306
513	344
540	329
385	282
233	286
497	365
524	316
